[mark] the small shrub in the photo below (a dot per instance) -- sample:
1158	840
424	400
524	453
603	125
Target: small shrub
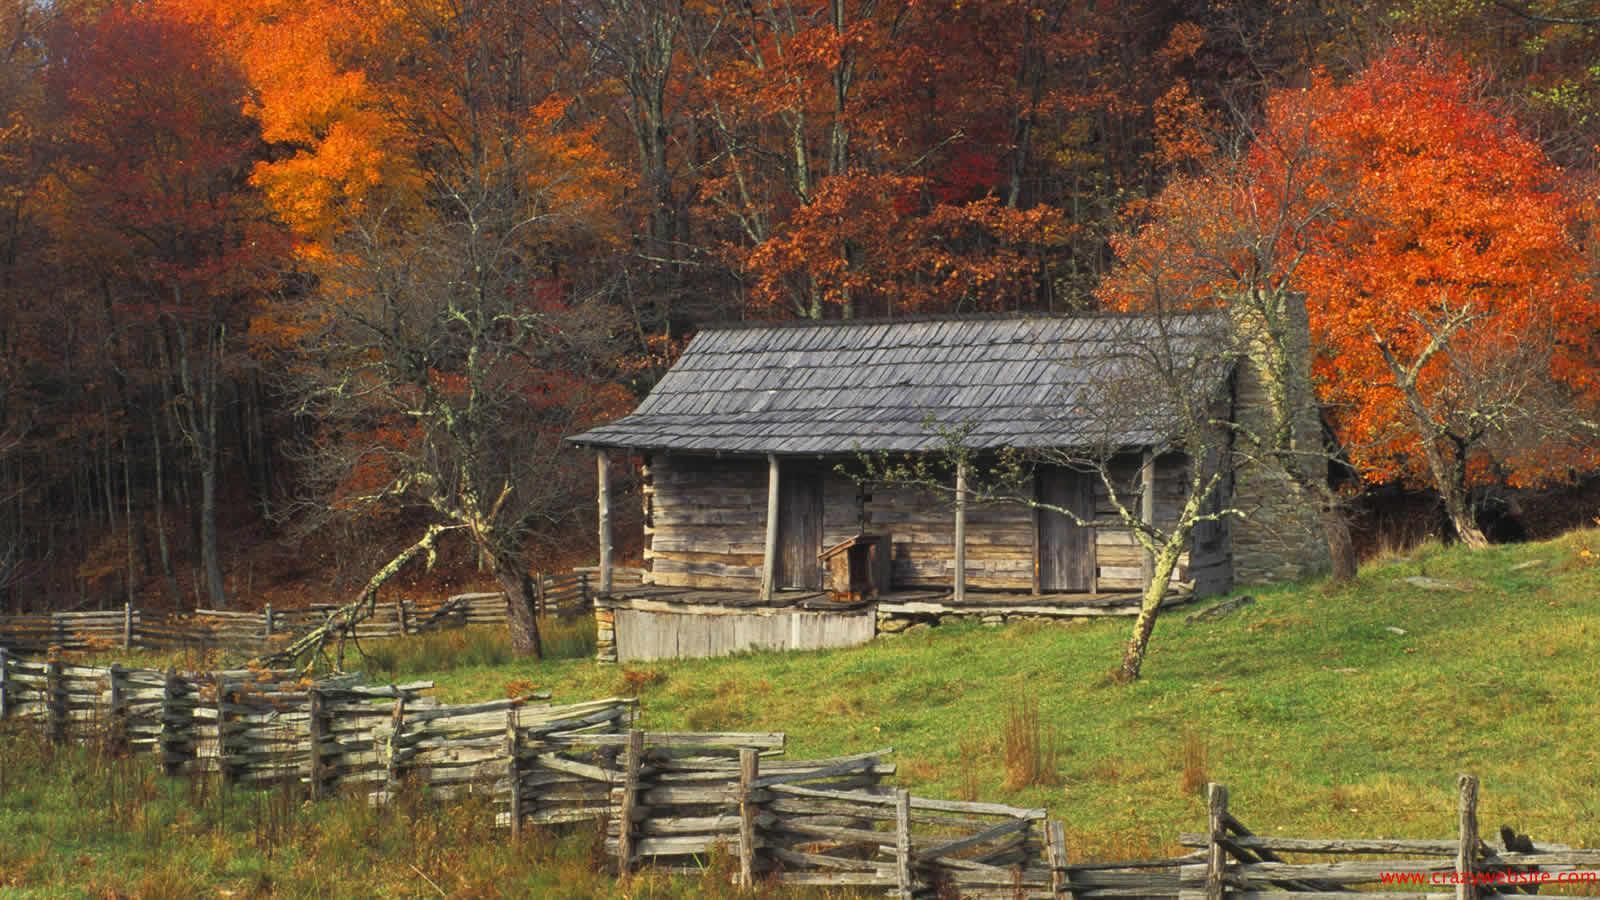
721	714
1195	756
972	755
636	680
1029	750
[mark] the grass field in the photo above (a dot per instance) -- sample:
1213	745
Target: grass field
1321	717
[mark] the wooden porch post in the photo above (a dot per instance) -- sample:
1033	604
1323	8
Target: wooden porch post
770	559
603	476
960	592
1147	510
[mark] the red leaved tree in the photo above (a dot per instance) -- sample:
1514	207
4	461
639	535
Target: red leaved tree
1437	249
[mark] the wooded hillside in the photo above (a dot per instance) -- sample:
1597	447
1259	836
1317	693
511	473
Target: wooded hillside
290	286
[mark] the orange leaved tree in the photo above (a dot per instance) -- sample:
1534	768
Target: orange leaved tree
1438	251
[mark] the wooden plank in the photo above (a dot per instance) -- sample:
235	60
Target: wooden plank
1147	511
1335	845
749	772
902	845
1216	856
769	558
967	843
632	757
960	537
316	732
1467	852
603	477
55	703
1056	851
514	773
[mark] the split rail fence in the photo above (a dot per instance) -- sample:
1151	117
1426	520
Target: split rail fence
257	632
1239	864
666	799
674	800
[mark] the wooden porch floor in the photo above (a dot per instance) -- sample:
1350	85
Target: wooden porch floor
930	601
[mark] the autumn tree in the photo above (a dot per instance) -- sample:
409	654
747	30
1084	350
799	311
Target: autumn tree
1434	243
1233	234
455	336
149	198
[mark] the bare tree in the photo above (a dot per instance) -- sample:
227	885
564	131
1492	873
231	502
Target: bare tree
1487	402
1232	239
445	382
1160	388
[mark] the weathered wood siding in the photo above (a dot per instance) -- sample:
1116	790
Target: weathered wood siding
648	634
1120	559
921	525
705	521
705	524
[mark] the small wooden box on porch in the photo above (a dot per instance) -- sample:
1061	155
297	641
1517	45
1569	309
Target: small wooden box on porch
857	568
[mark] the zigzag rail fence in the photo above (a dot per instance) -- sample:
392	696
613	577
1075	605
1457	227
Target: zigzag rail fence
672	799
130	628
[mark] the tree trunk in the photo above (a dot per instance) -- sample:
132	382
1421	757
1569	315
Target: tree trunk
1149	608
167	576
1341	549
1465	524
521	622
208	529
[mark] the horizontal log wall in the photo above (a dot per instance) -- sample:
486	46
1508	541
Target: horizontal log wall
705	521
921	526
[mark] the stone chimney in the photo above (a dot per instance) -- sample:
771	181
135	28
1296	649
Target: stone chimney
1281	537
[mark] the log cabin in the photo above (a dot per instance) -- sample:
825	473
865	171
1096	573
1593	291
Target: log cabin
759	535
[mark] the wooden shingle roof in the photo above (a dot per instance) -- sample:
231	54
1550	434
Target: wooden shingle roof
841	387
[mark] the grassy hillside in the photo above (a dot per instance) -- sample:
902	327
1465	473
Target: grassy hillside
1320	716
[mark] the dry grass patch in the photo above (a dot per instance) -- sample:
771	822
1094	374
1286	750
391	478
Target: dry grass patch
1029	749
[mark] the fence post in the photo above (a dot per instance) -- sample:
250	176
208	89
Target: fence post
118	727
538	595
177	741
585	597
5	670
397	721
127	626
1467	851
400	615
224	697
1055	848
905	882
749	771
55	701
632	757
314	734
1216	854
514	770
267	619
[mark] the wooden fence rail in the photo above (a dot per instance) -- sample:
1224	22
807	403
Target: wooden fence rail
567	594
1240	864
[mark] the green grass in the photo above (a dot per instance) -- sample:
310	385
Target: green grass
1322	721
75	823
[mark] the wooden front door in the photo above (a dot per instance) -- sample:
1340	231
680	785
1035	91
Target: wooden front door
1066	549
799	527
